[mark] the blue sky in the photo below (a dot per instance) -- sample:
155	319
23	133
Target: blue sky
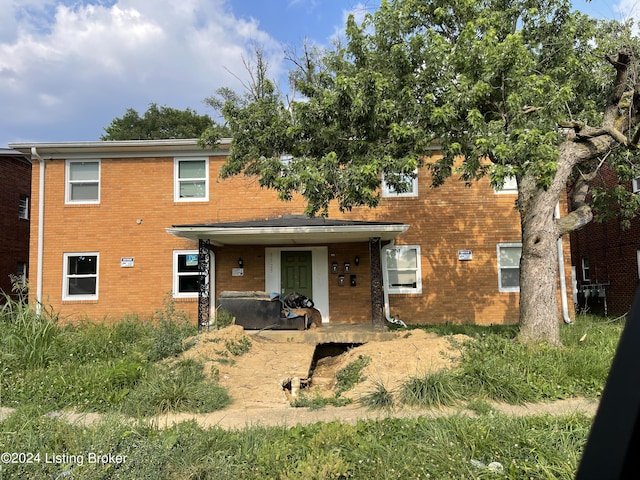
69	67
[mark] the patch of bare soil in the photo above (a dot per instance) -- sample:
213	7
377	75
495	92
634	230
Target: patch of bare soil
256	378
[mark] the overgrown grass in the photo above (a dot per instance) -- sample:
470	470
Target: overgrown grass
434	390
102	367
180	386
131	367
540	447
497	368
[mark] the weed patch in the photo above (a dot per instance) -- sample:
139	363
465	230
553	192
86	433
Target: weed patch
380	398
238	347
350	375
180	386
436	389
315	400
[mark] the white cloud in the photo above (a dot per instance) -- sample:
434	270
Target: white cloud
358	10
95	59
626	9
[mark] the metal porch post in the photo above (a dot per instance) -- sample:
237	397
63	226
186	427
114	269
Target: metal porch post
377	298
204	301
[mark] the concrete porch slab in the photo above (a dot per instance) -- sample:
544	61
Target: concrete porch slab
330	333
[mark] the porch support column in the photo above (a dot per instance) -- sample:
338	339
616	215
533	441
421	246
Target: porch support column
377	297
204	301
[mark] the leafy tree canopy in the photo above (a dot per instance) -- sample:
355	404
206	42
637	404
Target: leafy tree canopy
158	123
529	89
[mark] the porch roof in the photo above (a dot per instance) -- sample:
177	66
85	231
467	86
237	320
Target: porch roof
289	230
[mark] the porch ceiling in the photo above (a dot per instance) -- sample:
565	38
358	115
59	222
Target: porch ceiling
295	230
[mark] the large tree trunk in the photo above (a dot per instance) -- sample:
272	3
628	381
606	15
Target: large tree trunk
539	313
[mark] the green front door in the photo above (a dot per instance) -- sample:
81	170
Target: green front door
296	273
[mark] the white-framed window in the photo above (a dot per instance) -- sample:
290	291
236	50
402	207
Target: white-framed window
412	184
635	183
509	267
510	186
404	272
83	181
21	273
191	182
23	207
80	276
586	275
21	269
185	274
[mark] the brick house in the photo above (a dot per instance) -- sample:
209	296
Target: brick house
126	223
15	193
606	260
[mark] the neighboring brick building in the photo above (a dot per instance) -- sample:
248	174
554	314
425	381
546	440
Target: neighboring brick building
127	223
15	193
606	260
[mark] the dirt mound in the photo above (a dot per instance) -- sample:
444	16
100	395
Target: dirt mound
255	370
413	354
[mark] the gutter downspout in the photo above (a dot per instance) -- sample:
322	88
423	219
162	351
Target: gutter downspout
39	277
561	273
385	282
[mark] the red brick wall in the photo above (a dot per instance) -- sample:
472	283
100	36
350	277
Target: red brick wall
15	180
613	261
442	221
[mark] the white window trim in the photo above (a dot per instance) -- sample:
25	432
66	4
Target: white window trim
635	183
500	267
65	277
586	270
176	277
23	213
404	290
21	272
67	183
388	193
508	187
176	179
